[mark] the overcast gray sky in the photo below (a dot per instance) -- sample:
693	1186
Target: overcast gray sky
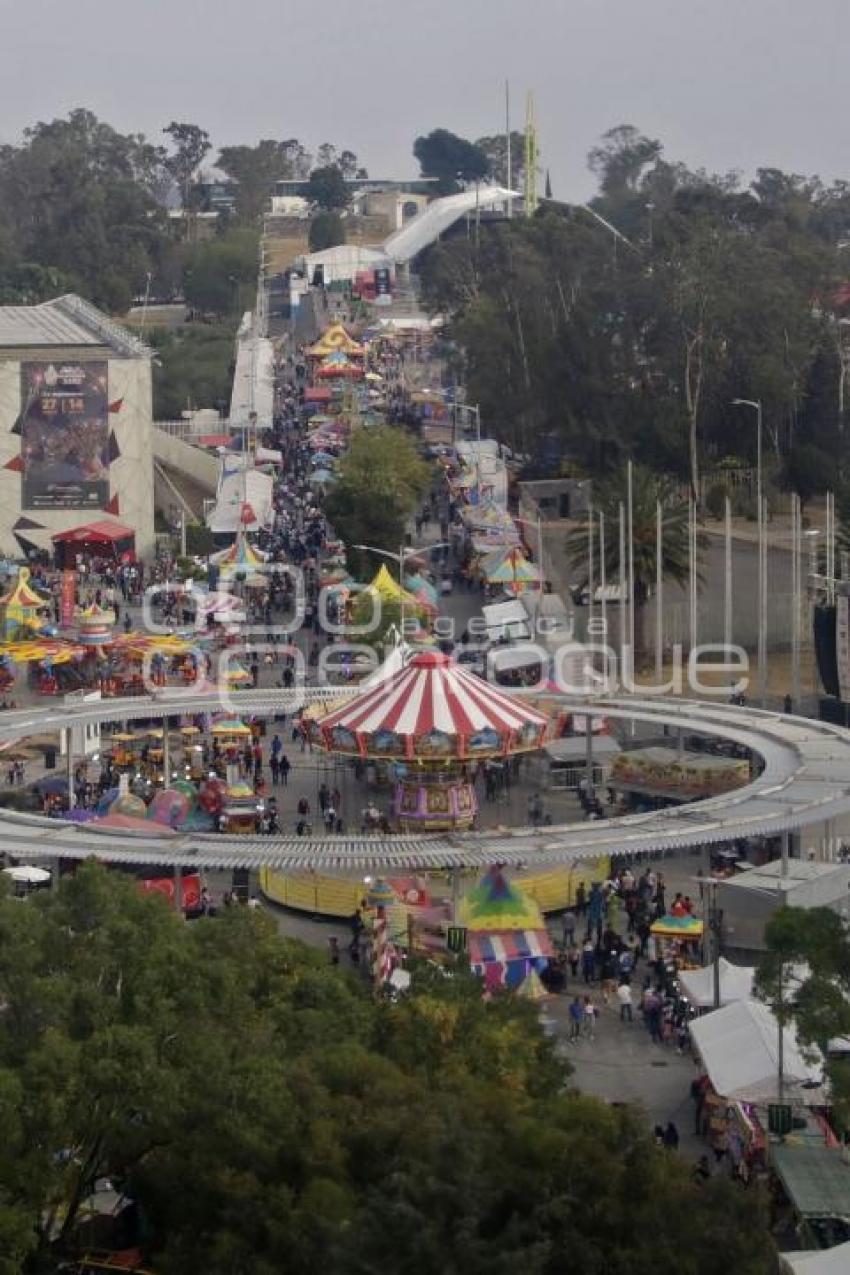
723	83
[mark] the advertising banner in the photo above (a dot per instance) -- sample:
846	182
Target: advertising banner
66	599
64	435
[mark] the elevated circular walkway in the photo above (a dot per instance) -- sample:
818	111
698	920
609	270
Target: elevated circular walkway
805	782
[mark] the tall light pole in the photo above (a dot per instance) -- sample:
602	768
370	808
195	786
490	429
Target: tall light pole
659	588
796	601
727	578
631	535
591	574
622	573
602	576
755	404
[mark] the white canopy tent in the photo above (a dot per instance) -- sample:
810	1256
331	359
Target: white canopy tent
237	488
736	984
738	1046
253	378
343	263
828	1261
506	619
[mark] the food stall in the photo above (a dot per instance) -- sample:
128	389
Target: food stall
240	809
678	941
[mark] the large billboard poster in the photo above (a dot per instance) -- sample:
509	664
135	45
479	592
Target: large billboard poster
64	435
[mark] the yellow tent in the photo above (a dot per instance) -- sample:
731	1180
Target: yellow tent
335	340
391	591
21	605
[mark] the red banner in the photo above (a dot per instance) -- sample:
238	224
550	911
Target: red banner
66	599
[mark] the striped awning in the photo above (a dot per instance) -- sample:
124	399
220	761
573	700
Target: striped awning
509	945
433	708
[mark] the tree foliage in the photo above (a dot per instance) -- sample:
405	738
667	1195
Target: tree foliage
266	1114
628	327
450	159
219	275
82	199
255	169
496	150
191	144
327	189
805	977
194	367
327	230
381	481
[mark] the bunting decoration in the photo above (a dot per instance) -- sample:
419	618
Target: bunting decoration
26	546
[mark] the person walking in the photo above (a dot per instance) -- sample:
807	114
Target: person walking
624	996
589	1018
588	960
671	1137
576	1019
285	767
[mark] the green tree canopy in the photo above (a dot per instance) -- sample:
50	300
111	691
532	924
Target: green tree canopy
82	199
191	144
450	158
381	481
327	230
255	169
220	274
267	1114
592	332
327	188
495	148
805	977
194	367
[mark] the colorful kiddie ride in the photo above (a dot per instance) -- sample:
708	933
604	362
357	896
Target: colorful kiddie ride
433	721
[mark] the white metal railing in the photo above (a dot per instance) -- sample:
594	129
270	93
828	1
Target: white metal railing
187	429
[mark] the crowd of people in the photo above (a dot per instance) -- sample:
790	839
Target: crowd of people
605	951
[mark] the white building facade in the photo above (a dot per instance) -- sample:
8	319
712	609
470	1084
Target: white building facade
75	425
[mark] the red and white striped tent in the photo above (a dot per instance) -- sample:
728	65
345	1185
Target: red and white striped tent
433	709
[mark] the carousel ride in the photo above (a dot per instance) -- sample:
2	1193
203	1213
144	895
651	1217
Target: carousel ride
430	723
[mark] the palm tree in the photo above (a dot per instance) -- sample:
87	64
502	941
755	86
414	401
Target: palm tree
648	490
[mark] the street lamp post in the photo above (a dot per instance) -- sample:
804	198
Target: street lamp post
755	403
404	552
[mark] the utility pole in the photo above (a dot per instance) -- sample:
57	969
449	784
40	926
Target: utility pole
602	576
659	588
631	512
622	564
727	579
591	582
508	183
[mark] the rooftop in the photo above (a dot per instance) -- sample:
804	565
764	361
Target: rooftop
66	321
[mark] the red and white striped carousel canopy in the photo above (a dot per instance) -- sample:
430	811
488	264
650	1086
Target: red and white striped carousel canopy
433	709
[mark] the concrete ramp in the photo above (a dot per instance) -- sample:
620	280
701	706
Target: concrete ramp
185	460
